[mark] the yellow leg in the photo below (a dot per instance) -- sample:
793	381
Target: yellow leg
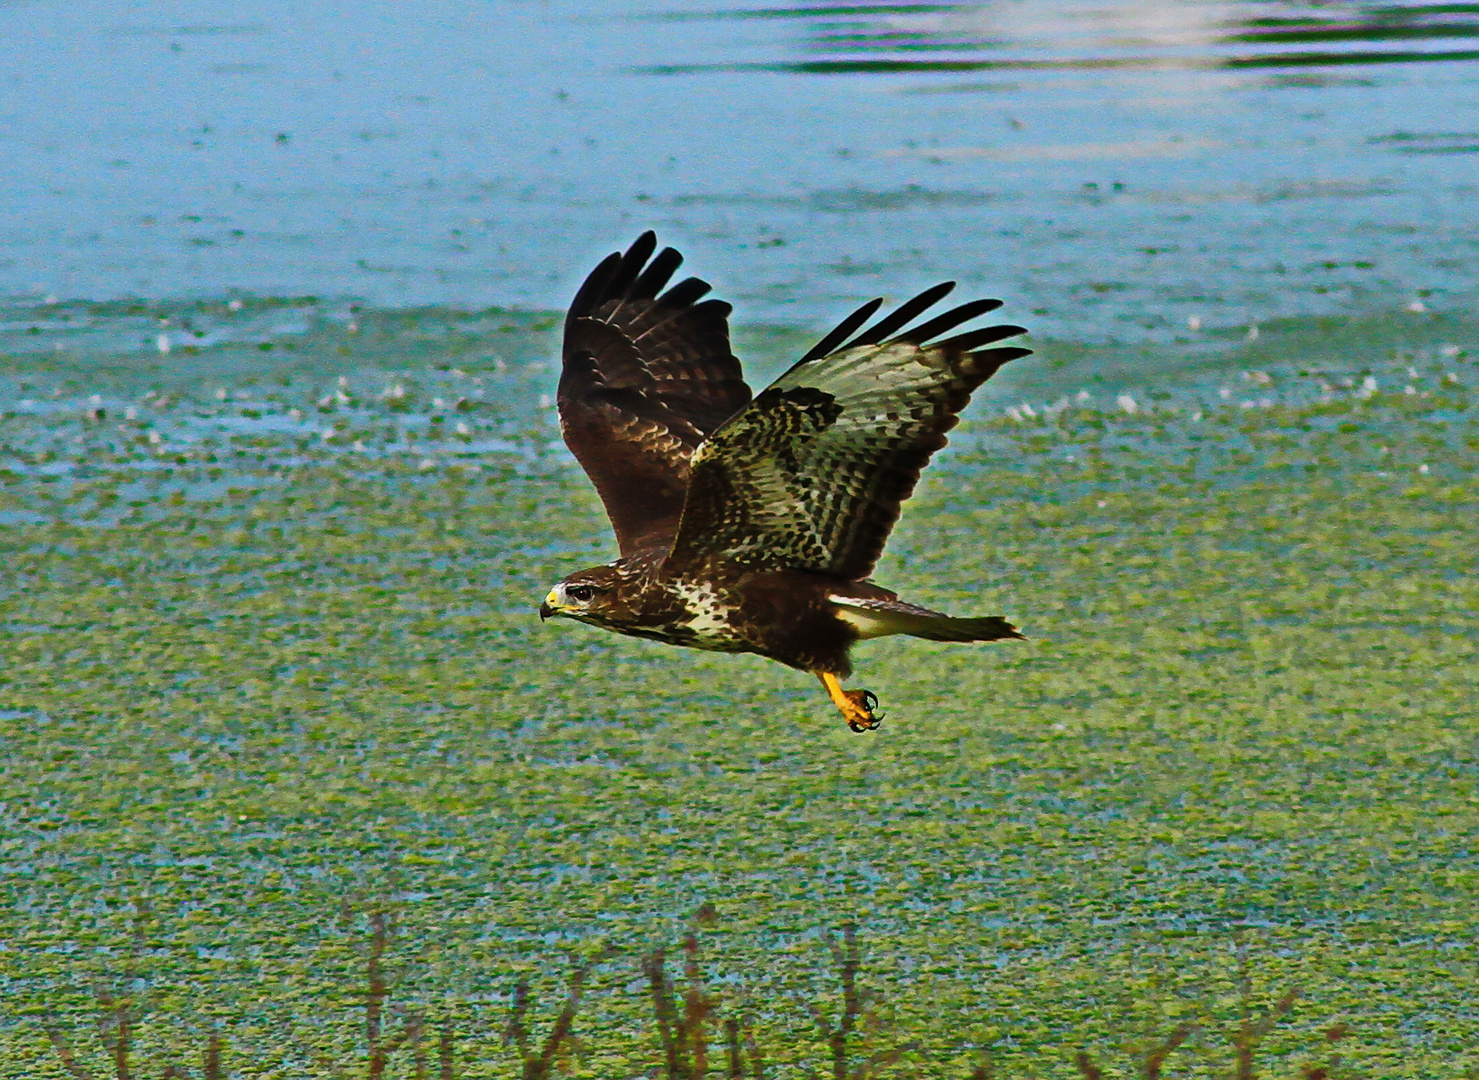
856	706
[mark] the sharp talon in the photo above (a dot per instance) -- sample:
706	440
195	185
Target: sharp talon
856	706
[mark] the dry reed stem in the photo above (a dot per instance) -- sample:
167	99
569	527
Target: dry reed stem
1157	1057
537	1066
1086	1067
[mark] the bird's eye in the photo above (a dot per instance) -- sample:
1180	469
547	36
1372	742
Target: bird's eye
580	593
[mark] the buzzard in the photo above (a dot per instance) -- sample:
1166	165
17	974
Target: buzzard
751	524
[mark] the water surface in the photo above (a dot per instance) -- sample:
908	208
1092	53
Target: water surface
1115	171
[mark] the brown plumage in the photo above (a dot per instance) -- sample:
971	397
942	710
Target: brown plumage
751	524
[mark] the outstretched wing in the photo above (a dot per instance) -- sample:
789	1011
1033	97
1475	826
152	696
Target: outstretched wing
646	378
810	475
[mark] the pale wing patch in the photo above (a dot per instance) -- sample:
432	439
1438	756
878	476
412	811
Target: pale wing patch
863	617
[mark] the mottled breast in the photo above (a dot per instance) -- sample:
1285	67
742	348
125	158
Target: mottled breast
708	619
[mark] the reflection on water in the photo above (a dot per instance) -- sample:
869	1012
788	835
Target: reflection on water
1436	142
879	38
1131	171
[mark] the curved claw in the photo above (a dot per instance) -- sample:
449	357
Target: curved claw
864	701
856	706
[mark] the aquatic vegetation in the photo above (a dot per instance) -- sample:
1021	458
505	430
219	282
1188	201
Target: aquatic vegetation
267	673
695	1030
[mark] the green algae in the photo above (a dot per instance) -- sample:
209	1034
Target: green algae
258	681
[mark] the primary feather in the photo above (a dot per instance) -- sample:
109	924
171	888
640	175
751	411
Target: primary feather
811	474
646	377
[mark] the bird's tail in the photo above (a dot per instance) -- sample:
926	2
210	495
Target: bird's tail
945	628
875	617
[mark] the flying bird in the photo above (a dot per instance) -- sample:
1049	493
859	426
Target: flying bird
751	523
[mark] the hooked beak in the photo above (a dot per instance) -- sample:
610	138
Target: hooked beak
548	609
545	612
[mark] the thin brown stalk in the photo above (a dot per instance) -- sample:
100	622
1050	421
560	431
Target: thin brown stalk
696	1009
418	1055
733	1060
848	962
121	1043
752	1051
213	1058
514	1031
1086	1067
1251	1032
444	1053
852	1006
654	967
855	1010
64	1051
376	994
1157	1057
565	1022
534	1066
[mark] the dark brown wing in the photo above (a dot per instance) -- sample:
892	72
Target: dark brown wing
646	378
810	475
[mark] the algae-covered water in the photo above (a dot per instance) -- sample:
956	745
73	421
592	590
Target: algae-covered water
280	486
272	663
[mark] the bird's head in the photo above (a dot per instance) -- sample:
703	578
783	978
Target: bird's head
589	595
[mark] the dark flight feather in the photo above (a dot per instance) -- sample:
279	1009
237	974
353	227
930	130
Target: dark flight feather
902	316
948	321
810	475
646	377
839	334
972	340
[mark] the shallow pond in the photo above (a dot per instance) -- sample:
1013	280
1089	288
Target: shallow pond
280	485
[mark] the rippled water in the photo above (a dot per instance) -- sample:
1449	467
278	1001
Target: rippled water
1128	171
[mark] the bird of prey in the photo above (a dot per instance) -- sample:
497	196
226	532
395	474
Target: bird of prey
751	524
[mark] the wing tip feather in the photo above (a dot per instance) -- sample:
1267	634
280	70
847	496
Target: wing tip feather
641	273
990	361
891	328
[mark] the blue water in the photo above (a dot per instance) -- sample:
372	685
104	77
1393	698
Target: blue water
1114	171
